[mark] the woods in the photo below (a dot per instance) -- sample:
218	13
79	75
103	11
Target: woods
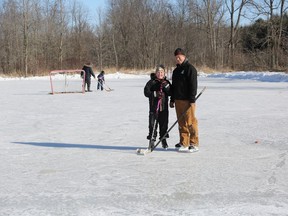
37	36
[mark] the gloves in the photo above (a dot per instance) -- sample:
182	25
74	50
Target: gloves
165	86
164	83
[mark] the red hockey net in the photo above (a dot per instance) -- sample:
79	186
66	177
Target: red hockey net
67	81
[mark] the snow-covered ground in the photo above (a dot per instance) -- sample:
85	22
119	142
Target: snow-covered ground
74	154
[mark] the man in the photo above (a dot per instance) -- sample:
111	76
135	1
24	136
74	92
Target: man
184	91
88	73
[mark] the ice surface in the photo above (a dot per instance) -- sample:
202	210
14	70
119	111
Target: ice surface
74	154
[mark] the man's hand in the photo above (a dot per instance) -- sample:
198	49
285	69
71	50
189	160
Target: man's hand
192	105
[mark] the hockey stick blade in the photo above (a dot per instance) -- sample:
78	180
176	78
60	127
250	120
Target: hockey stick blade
143	151
109	90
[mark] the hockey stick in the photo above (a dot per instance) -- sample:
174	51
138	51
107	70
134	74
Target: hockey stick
146	151
151	141
108	90
108	87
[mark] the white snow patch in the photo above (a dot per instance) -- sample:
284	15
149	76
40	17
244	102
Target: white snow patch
258	76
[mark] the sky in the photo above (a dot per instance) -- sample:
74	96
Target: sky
94	3
93	6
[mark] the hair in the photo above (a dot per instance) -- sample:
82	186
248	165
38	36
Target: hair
179	51
159	67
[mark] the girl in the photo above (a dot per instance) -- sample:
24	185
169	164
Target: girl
159	92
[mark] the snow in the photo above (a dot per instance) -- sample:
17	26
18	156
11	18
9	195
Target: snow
74	154
259	76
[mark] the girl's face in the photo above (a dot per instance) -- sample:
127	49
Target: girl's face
160	74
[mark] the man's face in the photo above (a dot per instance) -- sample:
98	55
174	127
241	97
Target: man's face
180	59
160	74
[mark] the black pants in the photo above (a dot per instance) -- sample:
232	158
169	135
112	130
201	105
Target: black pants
88	83
162	121
100	85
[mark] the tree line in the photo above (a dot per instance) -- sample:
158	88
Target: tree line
37	36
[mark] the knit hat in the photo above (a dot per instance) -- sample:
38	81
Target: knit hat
179	51
160	67
89	64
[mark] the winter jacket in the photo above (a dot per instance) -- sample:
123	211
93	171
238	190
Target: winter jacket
184	82
153	90
100	77
88	72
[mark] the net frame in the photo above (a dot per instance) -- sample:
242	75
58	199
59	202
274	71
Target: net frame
54	72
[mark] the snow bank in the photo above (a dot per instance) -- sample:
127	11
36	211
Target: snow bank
117	75
250	75
259	76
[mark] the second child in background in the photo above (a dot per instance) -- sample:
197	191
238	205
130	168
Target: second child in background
101	81
159	91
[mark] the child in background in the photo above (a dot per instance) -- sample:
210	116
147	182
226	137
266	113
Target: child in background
101	80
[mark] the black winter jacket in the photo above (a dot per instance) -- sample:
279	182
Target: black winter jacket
151	89
184	82
88	72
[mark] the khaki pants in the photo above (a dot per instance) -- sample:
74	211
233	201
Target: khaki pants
188	124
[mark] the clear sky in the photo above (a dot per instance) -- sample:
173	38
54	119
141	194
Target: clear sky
93	6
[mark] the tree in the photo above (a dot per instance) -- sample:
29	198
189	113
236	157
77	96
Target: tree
213	17
236	12
270	8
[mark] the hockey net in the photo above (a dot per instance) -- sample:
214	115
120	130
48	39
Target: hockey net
67	81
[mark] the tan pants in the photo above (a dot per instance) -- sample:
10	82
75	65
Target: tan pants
188	124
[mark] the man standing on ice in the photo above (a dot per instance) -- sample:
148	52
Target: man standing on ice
88	73
183	97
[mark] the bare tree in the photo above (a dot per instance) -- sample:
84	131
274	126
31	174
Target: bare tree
62	26
25	26
10	51
100	39
236	12
213	16
270	9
